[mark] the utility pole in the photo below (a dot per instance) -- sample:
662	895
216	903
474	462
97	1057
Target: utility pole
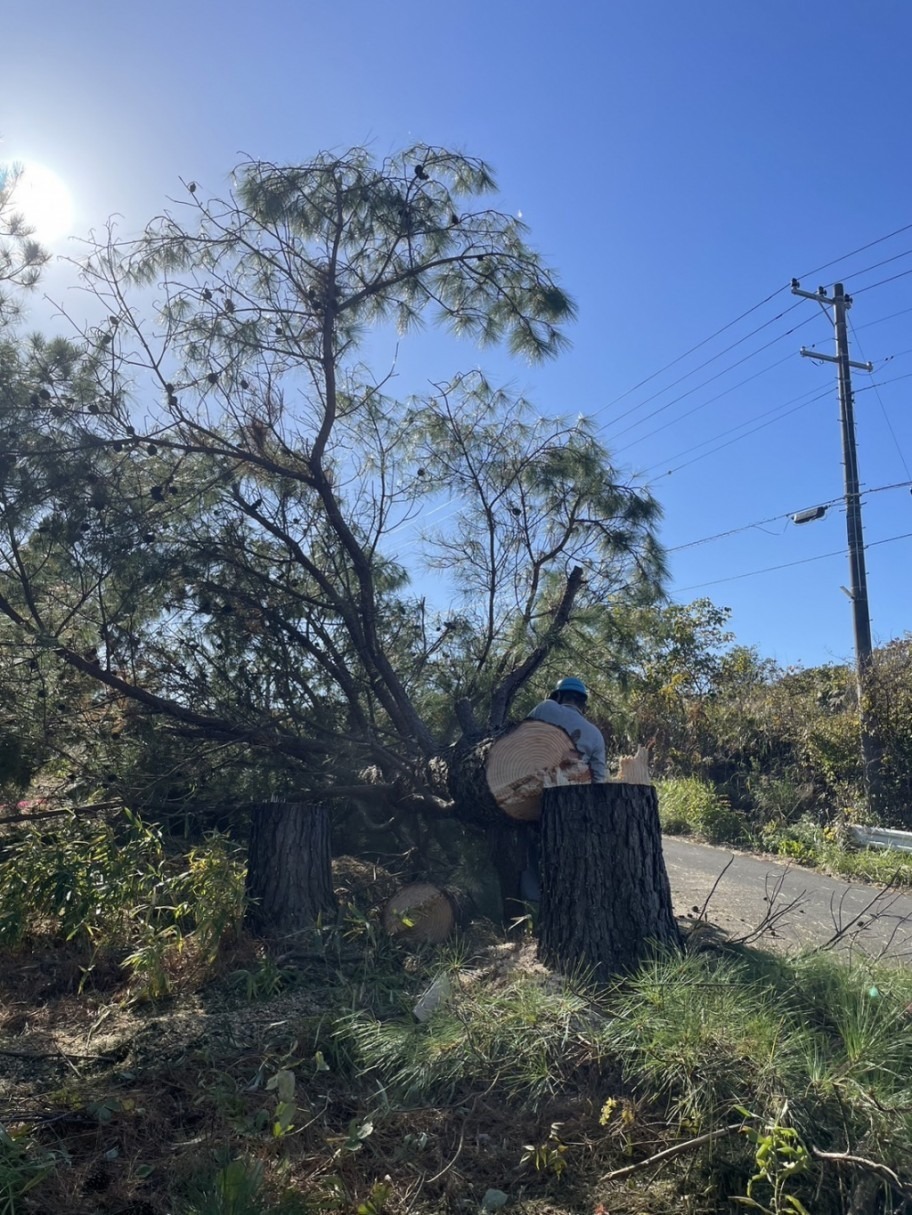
870	750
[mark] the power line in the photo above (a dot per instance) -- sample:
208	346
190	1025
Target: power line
845	257
720	354
694	370
881	320
883	408
740	425
787	565
725	370
745	527
693	349
703	404
712	400
819	397
730	324
876	265
883	383
756	417
881	282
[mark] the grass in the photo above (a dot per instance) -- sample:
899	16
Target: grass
308	1087
702	1034
519	1037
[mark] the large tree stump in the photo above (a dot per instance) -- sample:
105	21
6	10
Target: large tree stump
606	901
289	867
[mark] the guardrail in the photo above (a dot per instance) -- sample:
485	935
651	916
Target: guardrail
881	837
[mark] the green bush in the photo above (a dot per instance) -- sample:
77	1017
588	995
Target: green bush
77	880
112	886
691	806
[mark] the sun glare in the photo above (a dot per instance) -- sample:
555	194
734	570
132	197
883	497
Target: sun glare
45	201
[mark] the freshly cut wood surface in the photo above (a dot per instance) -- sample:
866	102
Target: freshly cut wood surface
634	769
419	912
527	760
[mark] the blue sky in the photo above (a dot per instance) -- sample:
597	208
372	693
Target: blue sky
677	163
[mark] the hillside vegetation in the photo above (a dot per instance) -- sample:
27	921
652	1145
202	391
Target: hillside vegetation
157	1059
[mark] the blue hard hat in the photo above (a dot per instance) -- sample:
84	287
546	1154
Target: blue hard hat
572	684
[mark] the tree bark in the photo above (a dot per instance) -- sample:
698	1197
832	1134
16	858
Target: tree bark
289	868
606	900
468	782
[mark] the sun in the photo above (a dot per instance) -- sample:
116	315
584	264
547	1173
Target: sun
45	201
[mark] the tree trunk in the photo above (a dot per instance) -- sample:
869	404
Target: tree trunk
289	868
528	759
498	776
419	912
606	901
468	782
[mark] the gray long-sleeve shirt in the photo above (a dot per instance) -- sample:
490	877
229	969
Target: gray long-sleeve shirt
586	736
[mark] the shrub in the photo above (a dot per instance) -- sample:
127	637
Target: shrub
112	886
688	805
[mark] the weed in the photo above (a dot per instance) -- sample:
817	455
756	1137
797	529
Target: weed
23	1166
549	1157
283	1085
264	981
780	1156
376	1200
234	1190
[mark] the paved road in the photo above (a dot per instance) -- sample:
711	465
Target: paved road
753	887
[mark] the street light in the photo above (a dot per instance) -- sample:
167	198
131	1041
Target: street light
809	515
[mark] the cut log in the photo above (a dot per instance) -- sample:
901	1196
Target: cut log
289	868
419	912
606	900
526	760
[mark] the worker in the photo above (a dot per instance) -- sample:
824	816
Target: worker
565	707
